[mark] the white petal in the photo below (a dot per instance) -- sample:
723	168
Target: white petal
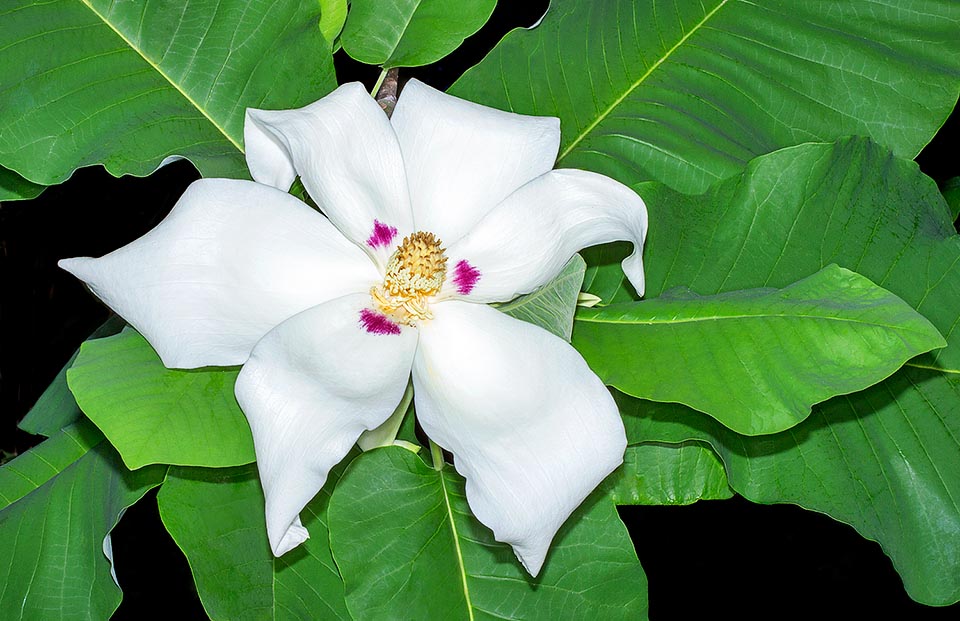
528	238
310	388
462	158
348	158
231	261
531	428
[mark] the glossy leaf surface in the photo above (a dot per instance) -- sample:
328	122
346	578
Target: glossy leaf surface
407	546
131	84
686	92
157	415
756	359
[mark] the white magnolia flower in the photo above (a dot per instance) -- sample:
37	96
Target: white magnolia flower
329	316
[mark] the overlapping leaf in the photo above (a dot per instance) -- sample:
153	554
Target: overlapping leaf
687	91
883	460
757	359
551	306
668	474
130	84
408	547
13	187
216	517
68	494
792	213
408	33
155	415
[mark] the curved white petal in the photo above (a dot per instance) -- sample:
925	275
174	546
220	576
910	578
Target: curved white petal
348	158
231	261
311	387
462	158
531	428
528	238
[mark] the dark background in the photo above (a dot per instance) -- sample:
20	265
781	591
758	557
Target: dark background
719	557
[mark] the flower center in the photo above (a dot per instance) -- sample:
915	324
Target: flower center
415	273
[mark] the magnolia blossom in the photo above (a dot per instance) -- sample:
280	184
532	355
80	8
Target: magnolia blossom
430	215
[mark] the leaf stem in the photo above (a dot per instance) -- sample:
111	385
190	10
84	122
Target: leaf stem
376	87
436	453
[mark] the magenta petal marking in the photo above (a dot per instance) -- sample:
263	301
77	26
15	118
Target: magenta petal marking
382	234
465	277
375	323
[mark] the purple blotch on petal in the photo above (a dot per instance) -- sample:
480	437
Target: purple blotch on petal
376	323
465	277
382	234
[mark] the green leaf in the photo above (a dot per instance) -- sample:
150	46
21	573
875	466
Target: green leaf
55	539
951	192
687	91
56	407
668	474
32	469
131	84
409	33
408	547
883	460
552	306
333	14
758	359
216	517
13	187
795	211
156	415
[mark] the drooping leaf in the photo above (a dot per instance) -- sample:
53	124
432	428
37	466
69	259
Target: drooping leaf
156	415
668	474
56	408
54	539
685	92
13	187
409	33
797	210
756	359
408	547
131	84
883	460
552	306
216	517
333	14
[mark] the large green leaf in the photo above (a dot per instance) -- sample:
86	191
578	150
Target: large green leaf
13	187
551	306
797	210
54	538
757	359
687	91
156	415
56	407
408	547
409	33
130	84
216	517
883	460
668	474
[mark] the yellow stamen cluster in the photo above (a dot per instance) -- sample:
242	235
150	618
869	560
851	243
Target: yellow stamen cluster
415	272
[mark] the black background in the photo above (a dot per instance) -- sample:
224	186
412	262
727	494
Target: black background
720	557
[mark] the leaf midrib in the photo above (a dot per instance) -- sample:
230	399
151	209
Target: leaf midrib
675	321
605	113
456	544
156	67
